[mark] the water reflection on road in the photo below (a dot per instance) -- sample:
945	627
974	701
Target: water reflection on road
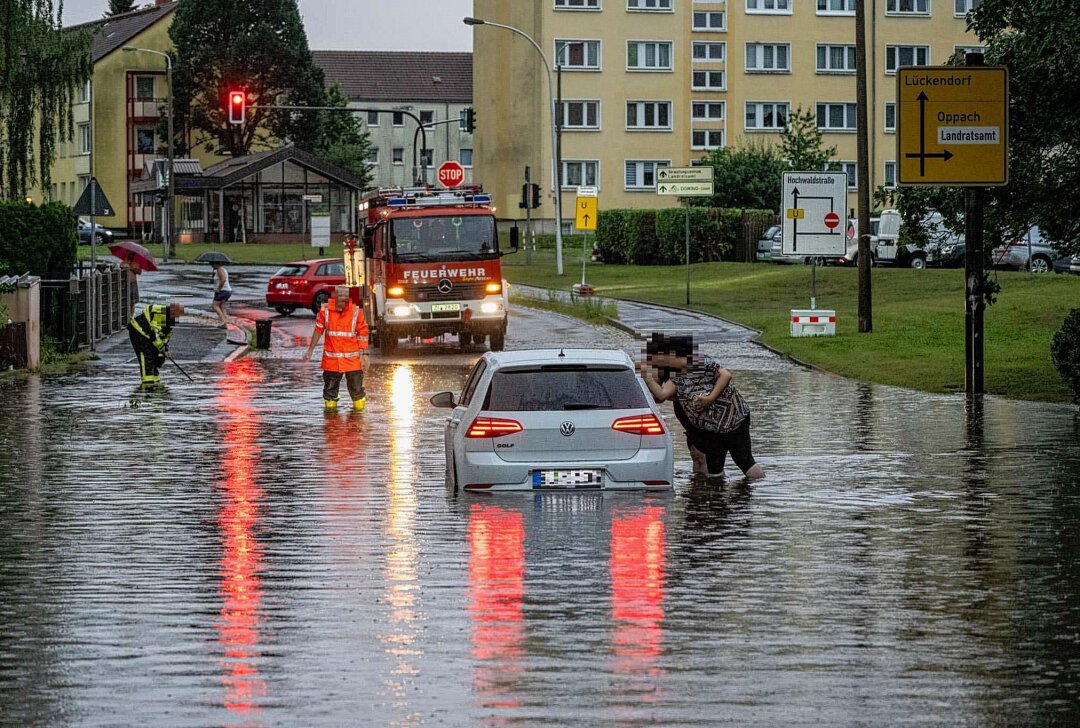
224	553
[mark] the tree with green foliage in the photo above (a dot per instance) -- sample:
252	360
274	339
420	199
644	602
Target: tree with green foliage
119	7
745	177
41	69
801	143
342	138
260	48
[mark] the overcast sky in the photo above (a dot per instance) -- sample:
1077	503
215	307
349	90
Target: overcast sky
397	25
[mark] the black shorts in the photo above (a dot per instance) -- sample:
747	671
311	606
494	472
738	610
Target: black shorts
717	445
223	295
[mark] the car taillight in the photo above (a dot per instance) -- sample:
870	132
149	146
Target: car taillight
299	283
639	425
493	427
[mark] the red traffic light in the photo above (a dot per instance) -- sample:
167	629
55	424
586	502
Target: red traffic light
237	107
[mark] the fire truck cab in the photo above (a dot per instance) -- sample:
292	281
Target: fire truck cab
432	266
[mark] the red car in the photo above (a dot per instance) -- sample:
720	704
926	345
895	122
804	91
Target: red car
304	284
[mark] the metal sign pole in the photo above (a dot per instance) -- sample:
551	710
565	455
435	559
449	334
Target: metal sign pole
686	204
813	282
528	215
91	286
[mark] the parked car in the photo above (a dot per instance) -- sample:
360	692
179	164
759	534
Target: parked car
851	254
764	245
1067	264
1013	255
889	250
555	419
304	284
103	236
948	255
776	251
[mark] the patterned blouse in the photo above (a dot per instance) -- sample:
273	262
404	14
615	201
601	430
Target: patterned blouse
725	414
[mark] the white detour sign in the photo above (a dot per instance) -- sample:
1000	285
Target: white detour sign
320	230
685	181
813	322
814	213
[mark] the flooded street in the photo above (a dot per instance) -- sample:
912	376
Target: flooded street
223	553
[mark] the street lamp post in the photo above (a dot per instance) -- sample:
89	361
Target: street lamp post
170	190
555	176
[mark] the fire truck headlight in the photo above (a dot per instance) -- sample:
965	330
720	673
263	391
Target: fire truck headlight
493	288
490	307
395	291
402	310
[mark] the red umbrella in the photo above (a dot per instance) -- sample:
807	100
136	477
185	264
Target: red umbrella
142	256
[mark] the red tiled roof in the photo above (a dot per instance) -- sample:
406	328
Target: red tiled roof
399	75
111	33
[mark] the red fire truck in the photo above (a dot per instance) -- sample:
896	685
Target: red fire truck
431	266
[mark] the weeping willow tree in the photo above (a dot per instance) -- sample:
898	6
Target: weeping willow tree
42	67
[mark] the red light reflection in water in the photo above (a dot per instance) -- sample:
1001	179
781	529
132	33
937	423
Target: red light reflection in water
637	591
496	589
241	594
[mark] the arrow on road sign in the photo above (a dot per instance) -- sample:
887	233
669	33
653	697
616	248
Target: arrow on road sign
795	218
922	155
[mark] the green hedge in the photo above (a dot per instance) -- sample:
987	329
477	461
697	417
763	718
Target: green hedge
1065	352
658	237
39	240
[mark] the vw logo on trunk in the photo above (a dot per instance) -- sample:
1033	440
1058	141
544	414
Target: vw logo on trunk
567	429
445	285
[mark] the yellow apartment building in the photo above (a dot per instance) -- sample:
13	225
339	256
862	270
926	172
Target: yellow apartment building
649	83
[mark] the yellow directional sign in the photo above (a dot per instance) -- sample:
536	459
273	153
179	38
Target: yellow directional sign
952	126
586	213
796	213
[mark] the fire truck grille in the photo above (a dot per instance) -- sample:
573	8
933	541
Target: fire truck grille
431	292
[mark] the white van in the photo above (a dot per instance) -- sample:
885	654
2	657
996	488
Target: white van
889	250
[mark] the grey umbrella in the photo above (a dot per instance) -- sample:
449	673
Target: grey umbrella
212	256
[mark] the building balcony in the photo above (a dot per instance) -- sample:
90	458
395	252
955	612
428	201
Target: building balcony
143	109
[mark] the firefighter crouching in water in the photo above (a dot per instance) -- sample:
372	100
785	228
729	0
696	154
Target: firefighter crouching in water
150	332
346	344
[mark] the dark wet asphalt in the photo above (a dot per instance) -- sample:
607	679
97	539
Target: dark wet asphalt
222	553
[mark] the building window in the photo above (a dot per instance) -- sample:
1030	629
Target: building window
651	115
427	157
836	59
836	7
850	168
766	116
84	97
84	180
768	58
707	80
965	49
707	110
648	55
578	54
963	7
836	117
144	141
579	173
641	174
907	7
768	6
652	5
84	139
708	21
397	155
144	88
577	115
904	55
708	51
890	174
373	157
465	157
426	117
373	118
890	117
399	119
706	138
577	4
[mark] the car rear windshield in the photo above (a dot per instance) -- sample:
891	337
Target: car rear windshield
291	271
564	388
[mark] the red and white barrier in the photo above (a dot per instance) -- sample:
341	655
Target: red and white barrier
813	322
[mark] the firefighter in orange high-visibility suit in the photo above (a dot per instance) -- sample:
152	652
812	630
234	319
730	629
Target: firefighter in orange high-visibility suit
345	349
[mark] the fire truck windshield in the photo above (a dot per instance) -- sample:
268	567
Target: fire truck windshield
444	237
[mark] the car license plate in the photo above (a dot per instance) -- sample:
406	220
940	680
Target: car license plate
439	307
567	479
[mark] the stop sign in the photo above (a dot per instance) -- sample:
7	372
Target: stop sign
450	174
832	220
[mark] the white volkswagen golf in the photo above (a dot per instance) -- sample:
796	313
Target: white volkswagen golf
556	419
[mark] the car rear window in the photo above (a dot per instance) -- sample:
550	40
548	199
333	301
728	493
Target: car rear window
291	271
564	388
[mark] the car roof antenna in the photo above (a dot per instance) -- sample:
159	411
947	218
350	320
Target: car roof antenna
562	353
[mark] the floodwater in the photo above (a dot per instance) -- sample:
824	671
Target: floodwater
223	553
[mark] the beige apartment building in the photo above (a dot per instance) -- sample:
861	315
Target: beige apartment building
651	83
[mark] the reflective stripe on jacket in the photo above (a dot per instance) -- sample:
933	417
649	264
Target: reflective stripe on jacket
153	324
346	335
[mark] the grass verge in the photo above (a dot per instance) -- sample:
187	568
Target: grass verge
239	253
595	312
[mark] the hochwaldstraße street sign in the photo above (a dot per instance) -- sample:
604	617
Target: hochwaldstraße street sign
815	213
952	126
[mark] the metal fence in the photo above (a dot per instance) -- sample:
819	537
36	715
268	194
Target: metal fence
753	228
13	351
66	305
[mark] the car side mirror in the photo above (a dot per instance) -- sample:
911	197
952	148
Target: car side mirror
515	238
443	399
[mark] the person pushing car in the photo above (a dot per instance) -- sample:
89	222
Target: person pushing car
345	348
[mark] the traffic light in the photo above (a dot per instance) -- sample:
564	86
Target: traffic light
237	107
534	195
470	119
